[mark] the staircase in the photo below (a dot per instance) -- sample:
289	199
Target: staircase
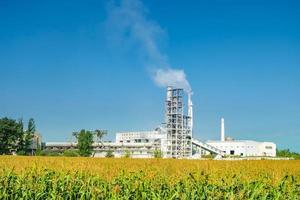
207	147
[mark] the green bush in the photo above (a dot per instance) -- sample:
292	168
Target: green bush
71	153
158	153
48	153
109	154
287	153
21	153
127	154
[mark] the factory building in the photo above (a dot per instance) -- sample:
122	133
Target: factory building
174	138
157	139
242	148
141	137
245	148
136	150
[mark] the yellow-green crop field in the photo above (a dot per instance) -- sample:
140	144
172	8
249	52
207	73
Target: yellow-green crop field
108	178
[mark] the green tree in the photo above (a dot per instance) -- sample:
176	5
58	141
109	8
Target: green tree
21	141
13	138
84	142
10	133
100	134
29	134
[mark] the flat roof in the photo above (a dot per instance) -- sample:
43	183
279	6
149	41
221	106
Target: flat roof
233	141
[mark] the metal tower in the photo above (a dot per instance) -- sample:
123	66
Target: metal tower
178	125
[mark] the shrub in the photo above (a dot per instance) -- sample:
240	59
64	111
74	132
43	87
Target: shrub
158	153
71	153
109	154
48	153
21	153
127	154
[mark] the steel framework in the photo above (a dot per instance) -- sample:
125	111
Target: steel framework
178	128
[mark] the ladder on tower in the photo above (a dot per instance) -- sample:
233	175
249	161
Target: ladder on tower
207	147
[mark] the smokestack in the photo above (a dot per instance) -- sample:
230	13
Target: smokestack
222	130
190	110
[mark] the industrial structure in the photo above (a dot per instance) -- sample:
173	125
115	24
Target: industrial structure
174	138
243	148
178	126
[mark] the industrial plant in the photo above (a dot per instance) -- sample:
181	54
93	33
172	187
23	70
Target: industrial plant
174	137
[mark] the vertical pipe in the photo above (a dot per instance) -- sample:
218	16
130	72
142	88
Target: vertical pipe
222	130
190	110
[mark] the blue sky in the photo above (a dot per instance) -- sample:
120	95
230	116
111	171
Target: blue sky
60	65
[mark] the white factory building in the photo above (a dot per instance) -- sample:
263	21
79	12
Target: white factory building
243	148
156	139
229	146
141	137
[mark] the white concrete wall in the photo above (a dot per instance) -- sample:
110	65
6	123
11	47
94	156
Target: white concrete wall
245	147
142	135
268	148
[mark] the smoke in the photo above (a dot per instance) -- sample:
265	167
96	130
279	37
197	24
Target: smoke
127	24
171	77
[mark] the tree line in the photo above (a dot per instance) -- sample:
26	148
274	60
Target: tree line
84	144
287	154
14	138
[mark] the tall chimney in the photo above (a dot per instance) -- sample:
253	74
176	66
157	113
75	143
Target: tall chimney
222	130
190	110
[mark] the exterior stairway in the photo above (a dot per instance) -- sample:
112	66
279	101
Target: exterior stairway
207	147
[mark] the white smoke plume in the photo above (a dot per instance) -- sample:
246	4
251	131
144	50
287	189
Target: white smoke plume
127	21
171	77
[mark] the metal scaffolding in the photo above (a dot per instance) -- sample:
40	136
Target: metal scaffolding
178	128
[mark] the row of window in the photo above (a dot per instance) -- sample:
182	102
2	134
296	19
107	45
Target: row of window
135	141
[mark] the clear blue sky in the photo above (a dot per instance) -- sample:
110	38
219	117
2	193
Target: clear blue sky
242	59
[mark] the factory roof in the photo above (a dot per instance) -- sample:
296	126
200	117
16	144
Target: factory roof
228	141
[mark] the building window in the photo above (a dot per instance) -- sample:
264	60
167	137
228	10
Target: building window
231	152
269	147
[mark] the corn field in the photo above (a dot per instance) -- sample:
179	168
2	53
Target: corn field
107	178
